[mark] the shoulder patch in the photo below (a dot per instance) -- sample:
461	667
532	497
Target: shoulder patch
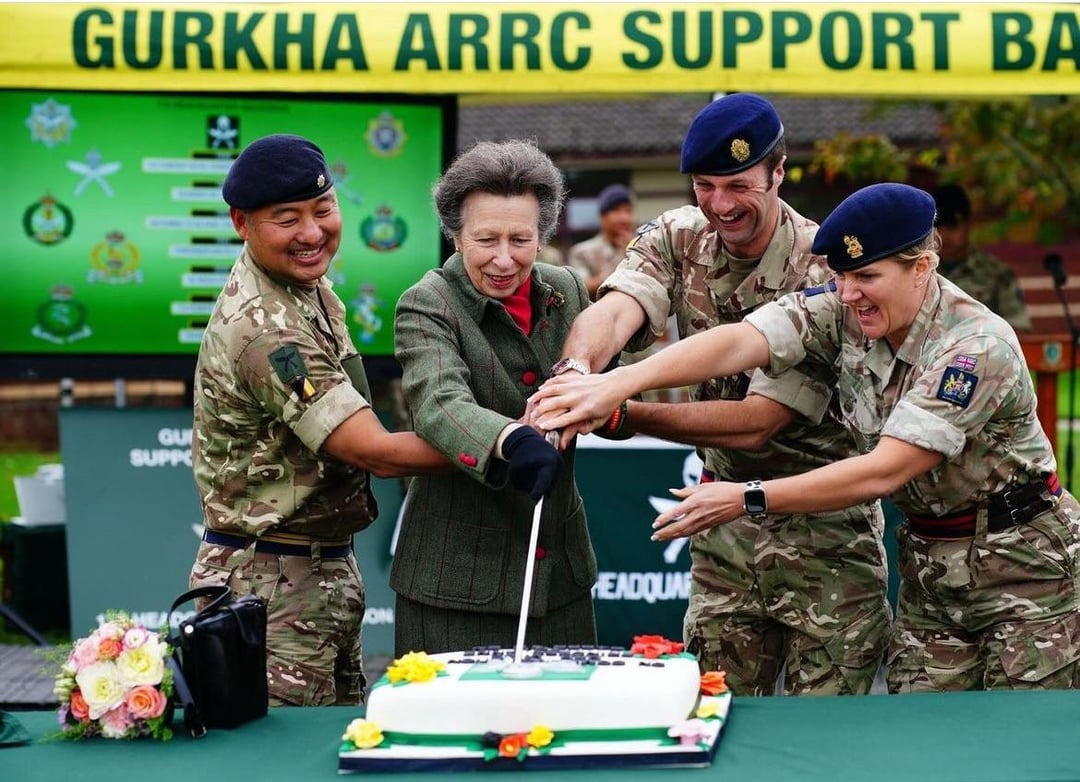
957	386
289	366
817	290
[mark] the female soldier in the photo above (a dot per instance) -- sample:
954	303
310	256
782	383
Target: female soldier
475	339
935	389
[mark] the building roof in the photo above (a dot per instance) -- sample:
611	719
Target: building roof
654	125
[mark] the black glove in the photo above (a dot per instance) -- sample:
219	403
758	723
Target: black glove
534	462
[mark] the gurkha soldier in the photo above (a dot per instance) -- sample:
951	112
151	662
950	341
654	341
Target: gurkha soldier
979	274
808	591
284	434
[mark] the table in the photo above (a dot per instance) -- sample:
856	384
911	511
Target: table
978	736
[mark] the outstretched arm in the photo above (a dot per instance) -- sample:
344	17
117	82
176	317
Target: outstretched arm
838	485
747	424
599	333
362	440
585	402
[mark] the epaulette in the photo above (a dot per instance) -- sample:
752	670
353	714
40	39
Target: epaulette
829	287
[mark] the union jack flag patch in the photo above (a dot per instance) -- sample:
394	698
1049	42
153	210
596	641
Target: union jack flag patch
966	363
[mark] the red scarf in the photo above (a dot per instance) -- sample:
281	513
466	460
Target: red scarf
519	305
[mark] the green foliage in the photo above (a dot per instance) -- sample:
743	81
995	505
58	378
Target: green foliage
1019	160
866	158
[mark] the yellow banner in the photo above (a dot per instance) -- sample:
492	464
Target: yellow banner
903	49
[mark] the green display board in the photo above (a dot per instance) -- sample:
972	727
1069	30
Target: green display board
133	525
118	238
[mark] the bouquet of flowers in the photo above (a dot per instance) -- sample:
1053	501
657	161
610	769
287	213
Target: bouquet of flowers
115	683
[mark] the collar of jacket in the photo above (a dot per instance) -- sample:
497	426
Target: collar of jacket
453	271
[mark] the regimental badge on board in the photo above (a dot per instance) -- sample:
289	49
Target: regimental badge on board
957	387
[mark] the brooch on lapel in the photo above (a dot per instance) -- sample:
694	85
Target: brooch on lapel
556	299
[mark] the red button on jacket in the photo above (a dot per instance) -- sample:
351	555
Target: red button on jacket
467	459
540	553
528	377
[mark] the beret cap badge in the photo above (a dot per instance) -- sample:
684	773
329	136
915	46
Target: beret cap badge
740	150
854	247
320	181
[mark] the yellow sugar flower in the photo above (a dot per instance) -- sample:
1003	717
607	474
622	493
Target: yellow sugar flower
539	736
414	667
363	734
706	710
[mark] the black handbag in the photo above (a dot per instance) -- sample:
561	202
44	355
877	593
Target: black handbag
219	660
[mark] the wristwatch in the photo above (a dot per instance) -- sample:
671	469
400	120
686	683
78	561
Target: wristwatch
566	364
754	502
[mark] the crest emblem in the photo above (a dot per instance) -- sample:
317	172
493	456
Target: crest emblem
320	181
385	135
740	150
222	131
94	169
47	221
365	313
50	123
383	231
114	260
854	246
957	387
61	319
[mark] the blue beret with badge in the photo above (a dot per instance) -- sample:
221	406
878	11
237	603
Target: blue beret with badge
276	169
874	223
730	135
613	196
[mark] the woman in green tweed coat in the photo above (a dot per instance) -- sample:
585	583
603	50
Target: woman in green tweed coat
475	339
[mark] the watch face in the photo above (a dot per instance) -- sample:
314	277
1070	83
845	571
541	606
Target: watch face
754	502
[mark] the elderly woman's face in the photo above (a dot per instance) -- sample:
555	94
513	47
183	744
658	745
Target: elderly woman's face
499	240
885	296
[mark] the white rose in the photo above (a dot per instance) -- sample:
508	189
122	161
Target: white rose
143	665
101	688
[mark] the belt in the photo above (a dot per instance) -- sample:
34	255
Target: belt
1008	508
327	550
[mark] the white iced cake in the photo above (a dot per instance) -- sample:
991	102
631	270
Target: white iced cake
555	707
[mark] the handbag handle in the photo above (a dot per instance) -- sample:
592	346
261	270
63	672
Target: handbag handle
220	593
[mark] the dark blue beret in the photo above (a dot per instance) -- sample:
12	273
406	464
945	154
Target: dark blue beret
613	196
276	169
730	135
874	223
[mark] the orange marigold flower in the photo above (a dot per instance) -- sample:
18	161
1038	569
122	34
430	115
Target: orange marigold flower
510	746
714	683
653	646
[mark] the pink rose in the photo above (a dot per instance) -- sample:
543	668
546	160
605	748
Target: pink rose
115	723
145	702
79	709
85	653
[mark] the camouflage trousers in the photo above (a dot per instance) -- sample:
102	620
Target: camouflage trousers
806	591
314	610
999	610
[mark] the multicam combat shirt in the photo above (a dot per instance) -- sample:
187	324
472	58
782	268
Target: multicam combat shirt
677	265
958	385
270	386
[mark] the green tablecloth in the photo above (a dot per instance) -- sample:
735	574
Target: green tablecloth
977	736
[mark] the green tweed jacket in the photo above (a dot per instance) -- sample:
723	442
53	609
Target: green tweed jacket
467	373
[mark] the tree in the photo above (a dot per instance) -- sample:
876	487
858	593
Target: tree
1019	160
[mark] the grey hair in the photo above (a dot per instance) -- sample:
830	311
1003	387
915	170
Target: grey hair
505	168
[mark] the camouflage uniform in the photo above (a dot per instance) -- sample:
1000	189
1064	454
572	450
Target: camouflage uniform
989	280
258	431
805	590
996	610
596	256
